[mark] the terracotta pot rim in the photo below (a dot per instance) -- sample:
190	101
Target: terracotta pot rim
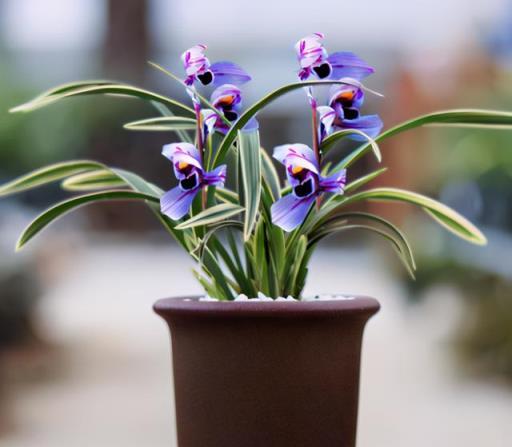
191	306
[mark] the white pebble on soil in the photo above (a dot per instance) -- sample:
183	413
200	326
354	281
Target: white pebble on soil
263	298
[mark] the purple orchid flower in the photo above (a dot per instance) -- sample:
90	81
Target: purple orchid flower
227	99
315	61
186	160
303	173
343	112
198	68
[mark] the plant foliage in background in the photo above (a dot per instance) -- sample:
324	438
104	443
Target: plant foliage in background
260	236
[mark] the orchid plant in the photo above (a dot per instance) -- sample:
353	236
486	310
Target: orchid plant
258	237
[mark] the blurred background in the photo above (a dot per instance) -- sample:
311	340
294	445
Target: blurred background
83	361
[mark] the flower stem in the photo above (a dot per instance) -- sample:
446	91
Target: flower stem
316	143
200	145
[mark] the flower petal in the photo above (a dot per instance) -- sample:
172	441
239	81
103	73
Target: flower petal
334	183
209	118
228	73
289	211
217	177
183	152
176	202
352	91
227	95
347	64
310	50
371	125
326	117
194	60
297	155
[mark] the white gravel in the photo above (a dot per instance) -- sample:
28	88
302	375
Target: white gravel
264	298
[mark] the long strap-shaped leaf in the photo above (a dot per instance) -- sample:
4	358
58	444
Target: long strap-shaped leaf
443	214
84	88
487	119
48	174
93	181
332	139
334	223
396	242
211	215
270	175
162	124
255	108
250	166
164	111
56	211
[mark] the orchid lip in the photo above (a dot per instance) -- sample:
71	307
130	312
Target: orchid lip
305	188
205	78
323	70
190	182
350	113
230	115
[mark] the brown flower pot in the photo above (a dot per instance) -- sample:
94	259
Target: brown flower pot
266	374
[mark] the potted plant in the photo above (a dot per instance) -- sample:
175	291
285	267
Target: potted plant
255	362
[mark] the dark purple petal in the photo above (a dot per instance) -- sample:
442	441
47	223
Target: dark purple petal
217	177
334	183
228	73
289	211
176	202
371	125
347	64
297	155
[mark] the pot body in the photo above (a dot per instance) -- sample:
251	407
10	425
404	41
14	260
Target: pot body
266	374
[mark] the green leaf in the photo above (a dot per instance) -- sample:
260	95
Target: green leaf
94	87
270	174
211	265
93	180
211	232
47	174
165	123
226	195
164	111
396	242
443	214
476	118
58	210
332	139
211	215
255	108
299	252
334	223
250	164
361	181
138	183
